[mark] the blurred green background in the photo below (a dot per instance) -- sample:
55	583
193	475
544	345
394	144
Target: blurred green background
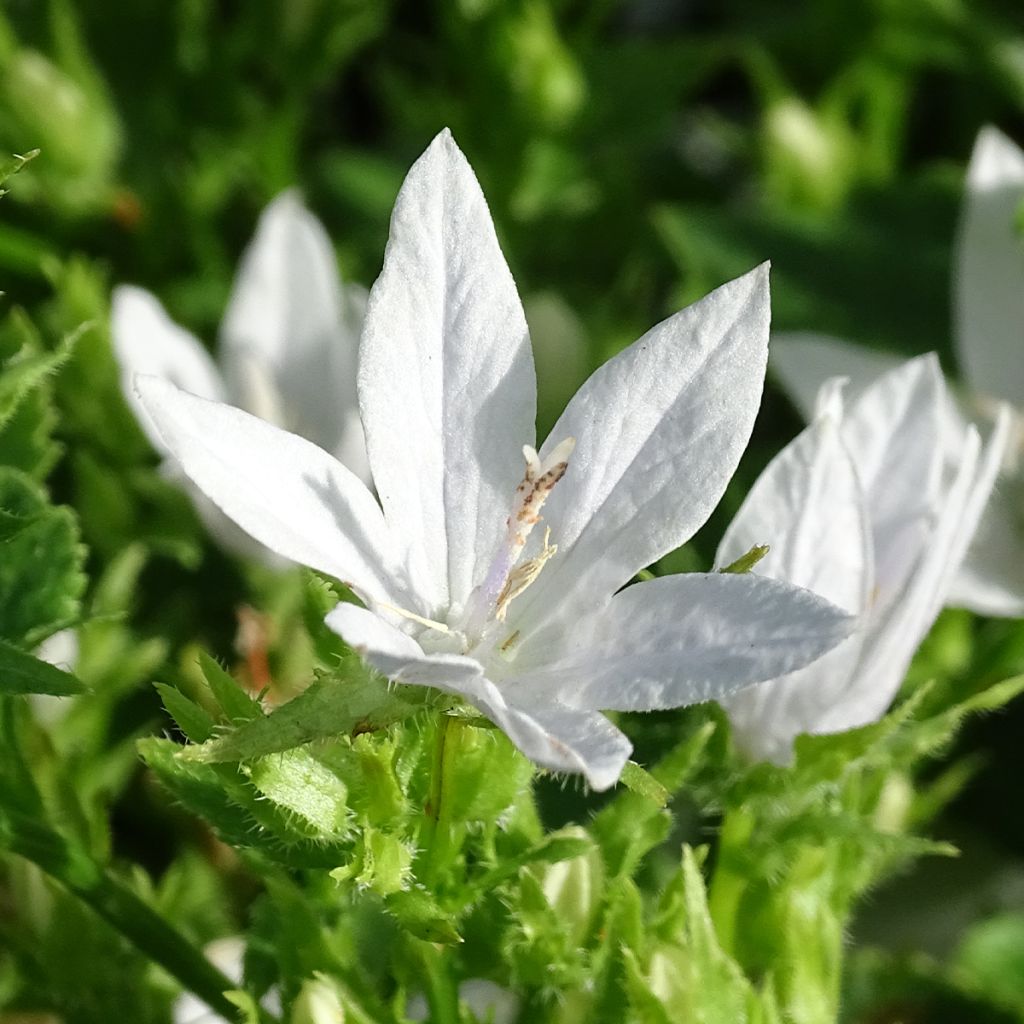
635	154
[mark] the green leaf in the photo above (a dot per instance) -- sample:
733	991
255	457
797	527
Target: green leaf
26	371
23	673
240	814
418	913
329	707
234	702
12	164
642	783
194	721
40	564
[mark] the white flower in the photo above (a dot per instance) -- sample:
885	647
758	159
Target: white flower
860	508
287	346
228	956
989	336
531	626
486	1001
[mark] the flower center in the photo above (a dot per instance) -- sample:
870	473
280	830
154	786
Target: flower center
506	579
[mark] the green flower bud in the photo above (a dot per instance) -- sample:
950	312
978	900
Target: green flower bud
573	889
318	1002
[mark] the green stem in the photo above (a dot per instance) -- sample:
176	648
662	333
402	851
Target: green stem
438	837
119	906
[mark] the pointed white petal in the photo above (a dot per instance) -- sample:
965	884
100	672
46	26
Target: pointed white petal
683	639
989	270
768	717
446	383
147	340
895	435
802	361
551	735
896	632
289	351
659	430
562	739
398	656
808	506
284	491
991	579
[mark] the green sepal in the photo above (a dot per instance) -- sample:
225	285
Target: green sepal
194	721
417	912
299	783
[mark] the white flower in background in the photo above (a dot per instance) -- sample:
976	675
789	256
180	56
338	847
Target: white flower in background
487	1001
462	592
989	337
861	509
287	347
228	956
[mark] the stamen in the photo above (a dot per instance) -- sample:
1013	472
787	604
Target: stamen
504	581
429	623
522	576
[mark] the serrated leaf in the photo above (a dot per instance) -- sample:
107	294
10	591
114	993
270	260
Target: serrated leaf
235	703
41	566
23	673
329	707
194	721
26	371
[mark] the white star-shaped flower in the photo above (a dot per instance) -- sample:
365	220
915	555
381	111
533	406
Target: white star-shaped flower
464	589
862	509
287	347
988	306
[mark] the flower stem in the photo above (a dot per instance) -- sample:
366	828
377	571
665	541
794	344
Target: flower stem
438	836
119	906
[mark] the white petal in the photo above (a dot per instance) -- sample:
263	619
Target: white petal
563	739
991	579
446	384
284	491
898	630
398	656
683	639
808	506
989	271
802	361
289	352
552	736
147	340
895	434
659	430
768	717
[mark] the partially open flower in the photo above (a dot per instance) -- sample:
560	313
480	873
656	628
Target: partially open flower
861	509
287	350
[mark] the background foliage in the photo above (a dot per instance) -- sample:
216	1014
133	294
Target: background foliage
635	153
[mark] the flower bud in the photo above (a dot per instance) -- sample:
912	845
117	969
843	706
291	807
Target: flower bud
318	1003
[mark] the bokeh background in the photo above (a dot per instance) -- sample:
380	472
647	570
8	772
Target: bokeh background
635	154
